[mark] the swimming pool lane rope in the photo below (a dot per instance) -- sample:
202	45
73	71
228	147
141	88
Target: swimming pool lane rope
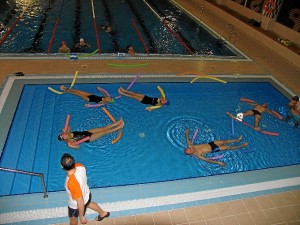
55	27
8	32
113	33
39	34
142	24
140	36
165	23
77	24
96	27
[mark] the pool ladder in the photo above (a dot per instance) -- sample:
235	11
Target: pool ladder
230	34
41	175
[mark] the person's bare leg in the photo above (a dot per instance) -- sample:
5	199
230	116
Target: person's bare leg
108	127
224	142
97	135
225	147
130	94
82	94
94	206
73	220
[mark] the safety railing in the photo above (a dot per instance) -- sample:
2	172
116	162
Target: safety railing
41	175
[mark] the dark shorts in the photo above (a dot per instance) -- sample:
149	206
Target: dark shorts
255	112
149	101
214	147
75	212
95	98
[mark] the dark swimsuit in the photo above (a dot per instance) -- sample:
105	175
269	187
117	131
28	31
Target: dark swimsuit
95	98
79	135
214	147
149	101
255	112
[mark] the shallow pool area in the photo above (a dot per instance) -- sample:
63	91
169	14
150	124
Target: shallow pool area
162	195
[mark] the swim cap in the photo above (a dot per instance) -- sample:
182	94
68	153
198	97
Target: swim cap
240	116
167	102
81	39
296	98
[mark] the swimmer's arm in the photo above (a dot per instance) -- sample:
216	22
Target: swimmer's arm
252	103
187	133
210	161
66	131
151	108
71	144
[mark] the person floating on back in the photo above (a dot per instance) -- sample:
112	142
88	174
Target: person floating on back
144	99
88	96
214	146
257	112
72	137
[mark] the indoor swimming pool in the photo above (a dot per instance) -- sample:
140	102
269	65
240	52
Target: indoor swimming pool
152	145
152	197
152	27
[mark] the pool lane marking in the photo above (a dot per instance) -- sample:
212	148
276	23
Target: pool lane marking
55	28
140	36
96	27
51	213
8	32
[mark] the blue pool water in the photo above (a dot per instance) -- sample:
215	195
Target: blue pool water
152	146
34	30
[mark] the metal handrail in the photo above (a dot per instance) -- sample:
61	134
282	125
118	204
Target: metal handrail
41	175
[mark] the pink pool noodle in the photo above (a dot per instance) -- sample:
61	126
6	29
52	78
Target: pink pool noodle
67	123
217	157
130	85
195	135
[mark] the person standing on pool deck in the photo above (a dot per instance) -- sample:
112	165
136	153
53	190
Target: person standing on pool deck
144	99
214	146
257	111
72	137
88	96
79	193
294	113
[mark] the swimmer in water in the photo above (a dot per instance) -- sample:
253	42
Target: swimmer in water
71	137
88	96
144	99
214	146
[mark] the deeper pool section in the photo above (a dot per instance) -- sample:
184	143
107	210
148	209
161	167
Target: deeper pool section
151	148
151	27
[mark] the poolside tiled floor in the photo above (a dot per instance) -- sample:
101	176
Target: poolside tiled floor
278	208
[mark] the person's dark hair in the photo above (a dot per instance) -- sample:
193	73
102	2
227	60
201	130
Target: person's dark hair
60	137
67	162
